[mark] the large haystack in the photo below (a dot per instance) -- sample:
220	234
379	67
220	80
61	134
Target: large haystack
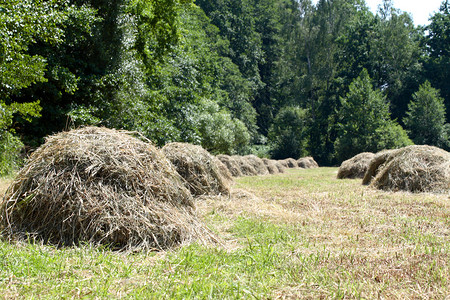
247	168
232	164
356	166
307	163
203	172
415	169
271	166
258	164
100	186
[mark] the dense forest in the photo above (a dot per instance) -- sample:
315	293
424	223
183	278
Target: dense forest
278	78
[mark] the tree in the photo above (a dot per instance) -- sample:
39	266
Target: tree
288	133
22	24
364	121
436	45
425	118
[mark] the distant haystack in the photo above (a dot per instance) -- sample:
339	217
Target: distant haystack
258	164
280	166
415	169
356	166
100	186
307	163
271	166
290	163
231	163
203	172
247	168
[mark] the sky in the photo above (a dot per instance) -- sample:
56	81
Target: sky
419	9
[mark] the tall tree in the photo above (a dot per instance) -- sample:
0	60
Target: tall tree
425	118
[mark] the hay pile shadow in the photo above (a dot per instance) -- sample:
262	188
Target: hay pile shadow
414	169
204	173
103	187
232	164
356	166
258	164
307	163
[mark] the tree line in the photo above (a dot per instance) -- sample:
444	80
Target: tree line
279	78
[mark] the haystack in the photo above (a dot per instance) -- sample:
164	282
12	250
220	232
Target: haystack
307	163
232	164
258	164
415	169
376	163
280	166
290	162
100	186
204	173
356	166
247	169
271	166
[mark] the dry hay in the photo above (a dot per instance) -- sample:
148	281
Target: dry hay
356	166
283	163
290	163
231	163
375	165
103	187
415	169
204	173
258	164
280	166
247	168
307	163
271	166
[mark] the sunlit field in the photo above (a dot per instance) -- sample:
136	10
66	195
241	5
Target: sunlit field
303	234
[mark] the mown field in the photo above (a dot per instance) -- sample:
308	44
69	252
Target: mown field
302	234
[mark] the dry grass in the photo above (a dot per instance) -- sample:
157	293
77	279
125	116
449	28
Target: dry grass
4	184
271	166
289	163
247	169
258	164
100	186
356	166
204	173
355	241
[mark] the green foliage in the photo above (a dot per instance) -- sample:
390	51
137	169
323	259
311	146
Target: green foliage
437	52
365	124
425	118
220	133
288	133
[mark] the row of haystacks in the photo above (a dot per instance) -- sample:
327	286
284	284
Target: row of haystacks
413	168
106	187
251	165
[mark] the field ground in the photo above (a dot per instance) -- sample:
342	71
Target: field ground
303	234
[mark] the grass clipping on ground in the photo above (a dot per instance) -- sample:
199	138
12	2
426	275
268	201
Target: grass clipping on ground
412	168
100	186
356	166
204	173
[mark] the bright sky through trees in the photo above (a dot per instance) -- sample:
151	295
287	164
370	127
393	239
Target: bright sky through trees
420	10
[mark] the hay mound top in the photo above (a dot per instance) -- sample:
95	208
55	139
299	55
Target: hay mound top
246	167
204	173
100	186
356	166
415	169
307	163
